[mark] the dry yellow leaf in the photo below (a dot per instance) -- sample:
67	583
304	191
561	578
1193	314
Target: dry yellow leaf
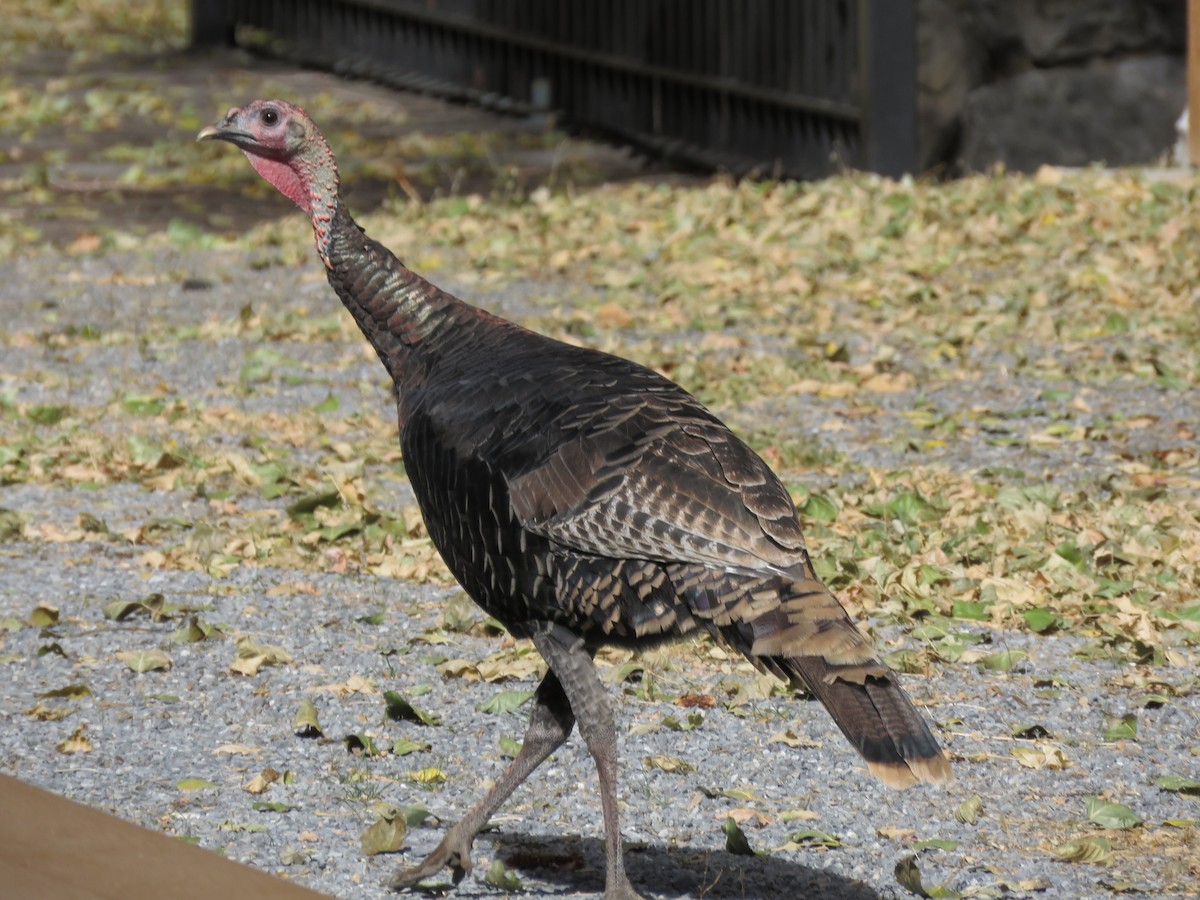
1041	757
76	743
237	750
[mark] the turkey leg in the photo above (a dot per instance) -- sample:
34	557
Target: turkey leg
550	724
572	663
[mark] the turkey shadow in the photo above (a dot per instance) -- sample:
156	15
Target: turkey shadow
577	864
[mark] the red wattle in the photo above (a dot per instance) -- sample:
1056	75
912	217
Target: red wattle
284	178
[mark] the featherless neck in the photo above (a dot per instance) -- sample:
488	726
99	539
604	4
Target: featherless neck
408	321
318	173
310	180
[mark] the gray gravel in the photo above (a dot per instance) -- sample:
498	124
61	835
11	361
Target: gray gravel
151	731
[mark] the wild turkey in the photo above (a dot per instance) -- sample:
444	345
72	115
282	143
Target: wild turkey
583	500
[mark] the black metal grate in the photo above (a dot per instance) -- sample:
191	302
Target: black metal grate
797	87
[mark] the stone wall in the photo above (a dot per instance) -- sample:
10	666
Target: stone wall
1065	82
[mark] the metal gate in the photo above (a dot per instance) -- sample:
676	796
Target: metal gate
791	87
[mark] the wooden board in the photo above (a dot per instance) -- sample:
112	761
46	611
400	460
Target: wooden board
56	849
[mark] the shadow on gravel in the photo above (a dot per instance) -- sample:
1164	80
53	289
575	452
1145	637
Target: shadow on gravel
577	865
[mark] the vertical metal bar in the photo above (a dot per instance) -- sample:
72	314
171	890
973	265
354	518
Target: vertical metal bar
1193	81
213	22
816	80
888	88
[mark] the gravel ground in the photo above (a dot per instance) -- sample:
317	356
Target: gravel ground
198	720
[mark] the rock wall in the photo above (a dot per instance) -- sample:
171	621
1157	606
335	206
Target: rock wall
1065	82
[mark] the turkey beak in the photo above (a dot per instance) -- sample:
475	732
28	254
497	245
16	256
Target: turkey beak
225	130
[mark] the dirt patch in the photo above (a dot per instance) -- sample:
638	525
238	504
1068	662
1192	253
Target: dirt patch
87	162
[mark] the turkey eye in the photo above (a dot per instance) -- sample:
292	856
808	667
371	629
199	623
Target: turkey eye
269	116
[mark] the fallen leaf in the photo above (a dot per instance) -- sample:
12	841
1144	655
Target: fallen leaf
262	781
43	616
70	692
1041	757
791	739
144	660
305	723
43	713
400	709
384	836
1111	815
237	750
1178	784
403	747
1091	849
1120	728
195	784
76	743
735	839
968	811
672	764
505	702
502	878
428	775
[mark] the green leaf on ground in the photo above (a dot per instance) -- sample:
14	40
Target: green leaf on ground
1003	660
144	660
812	837
968	811
70	692
1178	784
1041	620
43	616
1111	815
671	764
908	875
361	744
1120	728
502	878
265	806
385	836
505	701
1090	849
195	784
399	709
403	747
305	723
509	746
735	839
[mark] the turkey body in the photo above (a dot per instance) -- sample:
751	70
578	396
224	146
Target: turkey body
583	500
542	474
564	484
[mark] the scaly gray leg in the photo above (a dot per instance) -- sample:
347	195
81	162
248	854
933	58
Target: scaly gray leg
572	663
550	724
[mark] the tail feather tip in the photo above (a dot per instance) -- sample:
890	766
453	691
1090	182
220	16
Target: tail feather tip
905	773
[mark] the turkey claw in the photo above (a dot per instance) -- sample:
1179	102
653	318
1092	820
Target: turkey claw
452	853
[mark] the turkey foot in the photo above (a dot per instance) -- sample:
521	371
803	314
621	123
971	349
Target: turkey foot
453	853
550	722
622	890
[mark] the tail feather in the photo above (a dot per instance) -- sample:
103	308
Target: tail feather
806	638
878	720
